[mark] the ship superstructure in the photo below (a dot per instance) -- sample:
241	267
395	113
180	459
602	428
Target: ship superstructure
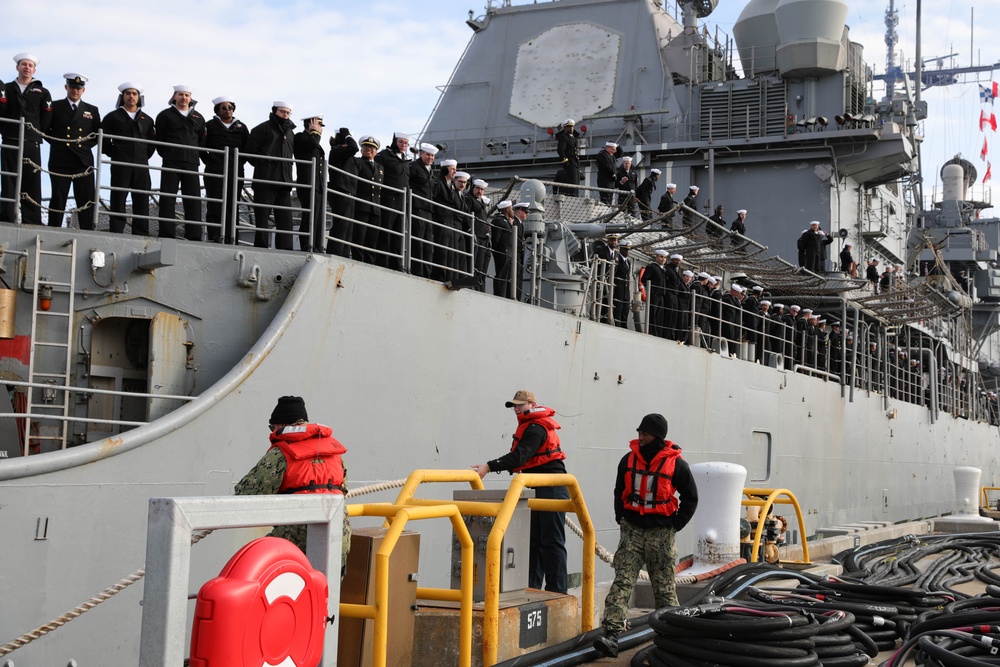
780	120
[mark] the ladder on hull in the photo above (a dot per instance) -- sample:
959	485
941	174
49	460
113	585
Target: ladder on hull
52	374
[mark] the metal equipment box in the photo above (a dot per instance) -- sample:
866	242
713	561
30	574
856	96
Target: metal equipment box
513	549
358	586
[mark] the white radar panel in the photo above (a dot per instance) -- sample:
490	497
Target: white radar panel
565	72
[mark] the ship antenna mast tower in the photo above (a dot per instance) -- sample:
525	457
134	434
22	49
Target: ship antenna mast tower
891	39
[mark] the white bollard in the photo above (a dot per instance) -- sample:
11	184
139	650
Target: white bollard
967	492
716	522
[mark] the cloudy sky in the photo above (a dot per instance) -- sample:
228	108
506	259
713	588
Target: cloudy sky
375	66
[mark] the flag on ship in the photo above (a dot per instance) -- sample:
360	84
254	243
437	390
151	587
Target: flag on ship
990	121
988	94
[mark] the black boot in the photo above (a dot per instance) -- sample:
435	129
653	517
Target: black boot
607	645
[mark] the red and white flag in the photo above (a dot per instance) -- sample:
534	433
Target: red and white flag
985	151
988	174
991	121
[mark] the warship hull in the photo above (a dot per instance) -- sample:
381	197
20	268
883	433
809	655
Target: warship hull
412	375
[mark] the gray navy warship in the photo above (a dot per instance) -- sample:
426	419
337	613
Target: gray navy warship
143	367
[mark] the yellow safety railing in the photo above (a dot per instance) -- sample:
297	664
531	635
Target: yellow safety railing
986	496
765	499
503	512
379	612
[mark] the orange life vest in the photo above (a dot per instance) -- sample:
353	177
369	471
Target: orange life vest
313	458
649	487
548	450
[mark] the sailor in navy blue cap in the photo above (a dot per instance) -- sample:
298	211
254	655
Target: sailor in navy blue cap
72	136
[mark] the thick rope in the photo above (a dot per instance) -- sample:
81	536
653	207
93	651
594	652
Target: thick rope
115	589
374	488
37	167
61	140
198	536
75	612
78	209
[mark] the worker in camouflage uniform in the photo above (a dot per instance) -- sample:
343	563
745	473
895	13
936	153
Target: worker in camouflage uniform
647	508
303	458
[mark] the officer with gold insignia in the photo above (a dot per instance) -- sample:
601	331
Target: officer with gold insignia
371	176
72	137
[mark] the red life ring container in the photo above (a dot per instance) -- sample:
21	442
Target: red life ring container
266	608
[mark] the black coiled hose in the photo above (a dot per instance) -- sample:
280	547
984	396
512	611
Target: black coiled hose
731	635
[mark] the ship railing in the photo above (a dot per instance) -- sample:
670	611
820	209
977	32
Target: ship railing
514	142
756	60
40	414
435	246
284	225
410	234
11	161
222	205
976	192
575	203
599	290
505	247
721	327
378	235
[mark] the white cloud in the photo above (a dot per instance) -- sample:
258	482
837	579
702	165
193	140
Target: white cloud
375	66
372	67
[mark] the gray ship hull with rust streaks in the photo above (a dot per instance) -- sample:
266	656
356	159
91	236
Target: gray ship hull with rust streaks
411	375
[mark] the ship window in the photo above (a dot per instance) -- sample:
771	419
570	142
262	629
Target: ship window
758	457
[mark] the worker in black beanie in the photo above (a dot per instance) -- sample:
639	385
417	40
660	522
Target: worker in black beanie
655	496
303	458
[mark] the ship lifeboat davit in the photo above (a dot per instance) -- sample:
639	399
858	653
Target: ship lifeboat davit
756	34
811	34
716	522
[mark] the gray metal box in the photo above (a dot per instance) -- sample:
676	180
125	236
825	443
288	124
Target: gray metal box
513	549
987	284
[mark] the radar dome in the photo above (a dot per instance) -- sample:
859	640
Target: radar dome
756	34
953	183
811	37
968	170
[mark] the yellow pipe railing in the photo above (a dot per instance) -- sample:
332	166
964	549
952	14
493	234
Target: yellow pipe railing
765	499
503	512
379	612
986	496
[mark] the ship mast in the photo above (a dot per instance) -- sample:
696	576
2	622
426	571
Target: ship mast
891	39
919	184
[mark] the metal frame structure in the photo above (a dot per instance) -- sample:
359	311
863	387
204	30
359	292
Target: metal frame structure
168	558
